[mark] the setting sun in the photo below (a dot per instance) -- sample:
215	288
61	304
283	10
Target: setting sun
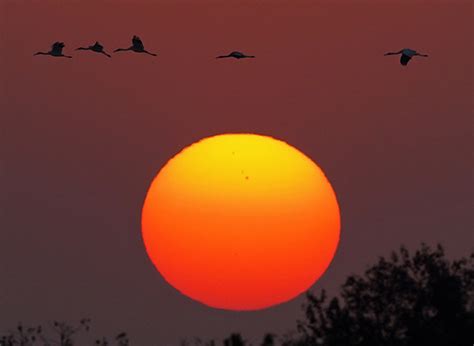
241	222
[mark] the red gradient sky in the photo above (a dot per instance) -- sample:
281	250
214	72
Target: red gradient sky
82	138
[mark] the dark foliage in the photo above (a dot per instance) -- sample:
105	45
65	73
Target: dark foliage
56	333
404	300
268	340
235	339
419	299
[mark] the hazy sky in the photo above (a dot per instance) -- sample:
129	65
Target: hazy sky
81	139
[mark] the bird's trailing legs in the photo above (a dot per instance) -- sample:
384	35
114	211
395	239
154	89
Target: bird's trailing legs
147	52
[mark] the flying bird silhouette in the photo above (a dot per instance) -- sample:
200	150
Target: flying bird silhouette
97	47
235	55
56	51
137	47
407	54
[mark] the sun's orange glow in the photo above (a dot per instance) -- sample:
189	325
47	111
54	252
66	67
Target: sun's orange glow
241	222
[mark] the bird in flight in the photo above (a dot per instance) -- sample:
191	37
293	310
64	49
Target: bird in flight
137	47
407	54
97	47
235	55
56	51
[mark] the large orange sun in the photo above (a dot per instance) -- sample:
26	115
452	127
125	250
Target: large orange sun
241	222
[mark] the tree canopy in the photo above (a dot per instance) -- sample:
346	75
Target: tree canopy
402	300
419	299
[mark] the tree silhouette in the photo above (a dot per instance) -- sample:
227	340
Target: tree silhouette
235	339
420	299
58	333
404	300
23	336
120	340
268	340
61	333
197	342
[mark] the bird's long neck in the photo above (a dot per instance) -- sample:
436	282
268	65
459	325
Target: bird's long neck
123	49
83	48
42	53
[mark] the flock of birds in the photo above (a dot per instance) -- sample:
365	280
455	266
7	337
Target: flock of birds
138	47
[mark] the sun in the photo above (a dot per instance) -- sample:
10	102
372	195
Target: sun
241	222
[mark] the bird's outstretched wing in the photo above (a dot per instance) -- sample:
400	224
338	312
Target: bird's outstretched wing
137	42
57	47
404	59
